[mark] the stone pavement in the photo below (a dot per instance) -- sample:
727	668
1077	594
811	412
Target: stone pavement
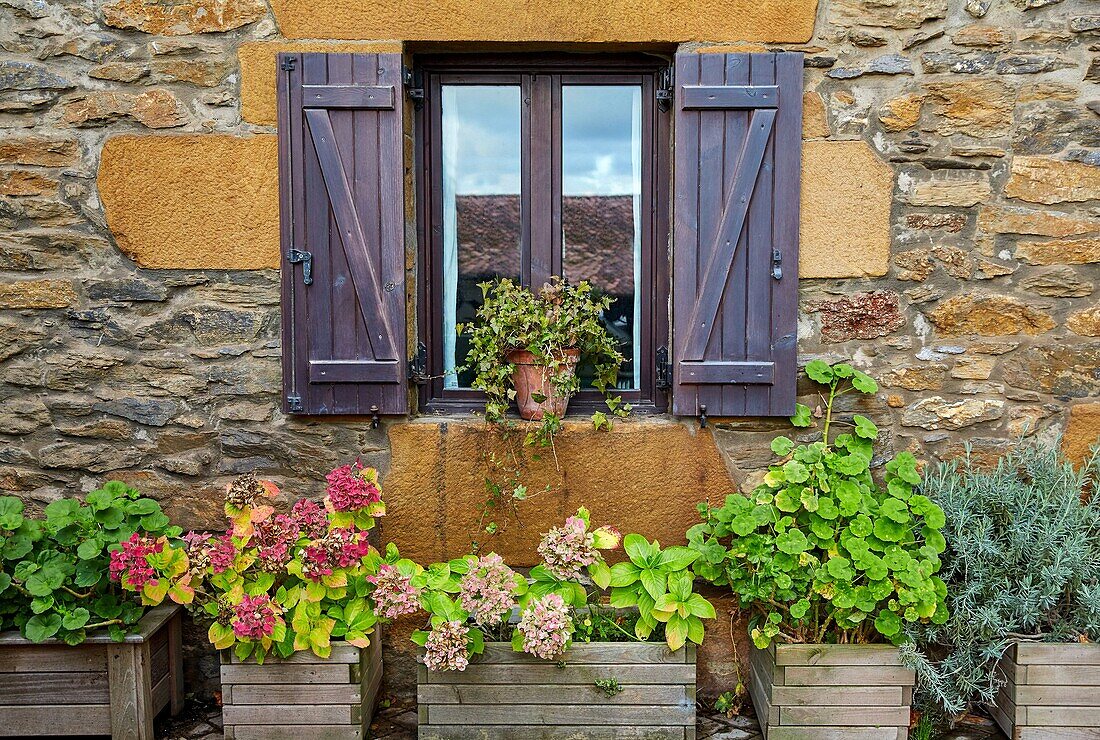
396	720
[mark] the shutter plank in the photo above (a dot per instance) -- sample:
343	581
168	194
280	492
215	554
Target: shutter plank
342	185
737	137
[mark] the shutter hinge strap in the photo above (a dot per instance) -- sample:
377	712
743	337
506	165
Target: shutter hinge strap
663	380
414	86
665	80
294	403
295	256
288	63
418	365
777	264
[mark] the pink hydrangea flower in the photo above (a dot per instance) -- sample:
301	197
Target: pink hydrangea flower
311	517
546	627
341	548
486	590
394	594
274	537
352	488
568	549
445	649
222	553
254	618
129	563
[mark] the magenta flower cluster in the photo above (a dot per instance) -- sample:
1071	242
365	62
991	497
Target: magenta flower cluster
274	537
445	649
340	548
254	618
129	563
311	517
350	490
393	594
222	553
546	627
568	549
486	590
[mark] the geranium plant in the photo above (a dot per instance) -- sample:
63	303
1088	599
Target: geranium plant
293	581
821	551
474	599
87	564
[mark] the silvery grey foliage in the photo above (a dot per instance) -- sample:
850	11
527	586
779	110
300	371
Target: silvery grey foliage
1022	563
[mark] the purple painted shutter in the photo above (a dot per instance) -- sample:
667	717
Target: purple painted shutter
341	186
735	243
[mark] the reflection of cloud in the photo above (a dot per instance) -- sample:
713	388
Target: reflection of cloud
596	138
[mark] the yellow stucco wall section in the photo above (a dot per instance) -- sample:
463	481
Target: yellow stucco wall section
258	70
647	475
193	202
789	21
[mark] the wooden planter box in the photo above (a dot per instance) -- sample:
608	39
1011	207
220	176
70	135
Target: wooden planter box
831	692
504	695
100	687
303	697
1051	692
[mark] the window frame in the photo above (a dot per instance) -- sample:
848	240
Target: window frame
541	77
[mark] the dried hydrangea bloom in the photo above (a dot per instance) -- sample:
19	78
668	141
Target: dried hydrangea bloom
254	618
351	488
546	627
129	564
245	491
445	649
568	549
486	591
393	595
274	539
341	548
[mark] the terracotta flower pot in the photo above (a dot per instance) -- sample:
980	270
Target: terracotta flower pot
531	379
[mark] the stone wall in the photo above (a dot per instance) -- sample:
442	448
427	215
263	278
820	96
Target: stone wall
950	246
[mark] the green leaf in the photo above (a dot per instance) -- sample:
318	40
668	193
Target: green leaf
11	513
76	619
865	428
89	549
420	637
700	607
795	472
800	608
654	582
42	627
887	623
676	631
600	574
803	416
792	542
676	557
896	510
863	382
637	549
819	372
782	446
624	574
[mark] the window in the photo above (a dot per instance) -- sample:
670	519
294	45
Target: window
531	168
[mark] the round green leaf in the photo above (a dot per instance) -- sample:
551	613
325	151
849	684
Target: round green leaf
42	627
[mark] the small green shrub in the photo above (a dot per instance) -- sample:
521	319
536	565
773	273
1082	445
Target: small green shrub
1023	562
820	552
55	571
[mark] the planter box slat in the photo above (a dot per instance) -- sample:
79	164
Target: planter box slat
256	693
45	688
57	719
843	716
545	732
560	700
48	659
847	676
550	694
831	692
98	687
1052	692
599	653
548	673
303	697
559	714
838	655
804	696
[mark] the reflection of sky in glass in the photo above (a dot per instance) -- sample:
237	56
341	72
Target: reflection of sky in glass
596	162
596	125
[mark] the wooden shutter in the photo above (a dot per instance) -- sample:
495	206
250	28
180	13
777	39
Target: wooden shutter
738	137
341	185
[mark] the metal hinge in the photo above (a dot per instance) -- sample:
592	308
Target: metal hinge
294	403
665	79
295	256
663	380
414	86
418	365
777	264
287	64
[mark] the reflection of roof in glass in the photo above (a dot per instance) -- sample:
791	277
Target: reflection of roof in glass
599	238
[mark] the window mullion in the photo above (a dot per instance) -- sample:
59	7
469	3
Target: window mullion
541	180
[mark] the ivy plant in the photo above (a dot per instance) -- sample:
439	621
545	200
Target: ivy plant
821	551
55	570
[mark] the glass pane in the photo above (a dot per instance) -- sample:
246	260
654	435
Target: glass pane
601	206
481	205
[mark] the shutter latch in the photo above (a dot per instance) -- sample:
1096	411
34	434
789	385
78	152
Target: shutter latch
418	370
295	256
664	88
777	264
663	380
294	403
414	86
